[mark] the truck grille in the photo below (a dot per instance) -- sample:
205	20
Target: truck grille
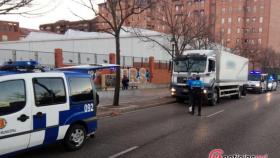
182	79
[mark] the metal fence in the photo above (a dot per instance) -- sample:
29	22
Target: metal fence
45	58
162	64
76	58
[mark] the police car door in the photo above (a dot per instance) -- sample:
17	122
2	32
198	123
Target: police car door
15	114
50	98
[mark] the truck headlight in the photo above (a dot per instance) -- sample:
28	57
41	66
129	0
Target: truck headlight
173	90
205	91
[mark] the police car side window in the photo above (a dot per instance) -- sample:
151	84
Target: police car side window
12	96
81	89
49	91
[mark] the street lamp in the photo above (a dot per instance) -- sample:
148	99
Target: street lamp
172	41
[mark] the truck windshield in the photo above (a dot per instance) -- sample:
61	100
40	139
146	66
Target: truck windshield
254	77
190	65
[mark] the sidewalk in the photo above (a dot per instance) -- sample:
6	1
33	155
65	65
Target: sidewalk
131	100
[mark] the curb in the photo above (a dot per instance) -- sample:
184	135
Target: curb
106	105
118	111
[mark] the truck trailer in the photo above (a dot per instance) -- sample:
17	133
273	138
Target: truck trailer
224	74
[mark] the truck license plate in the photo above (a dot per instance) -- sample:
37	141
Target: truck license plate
185	90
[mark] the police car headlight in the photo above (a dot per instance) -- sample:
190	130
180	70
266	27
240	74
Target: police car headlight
173	90
269	85
205	91
258	85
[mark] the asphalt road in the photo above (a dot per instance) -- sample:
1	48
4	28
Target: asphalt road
250	125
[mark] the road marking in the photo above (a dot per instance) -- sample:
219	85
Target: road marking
124	152
216	113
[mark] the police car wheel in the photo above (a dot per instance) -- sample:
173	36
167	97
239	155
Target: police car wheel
75	137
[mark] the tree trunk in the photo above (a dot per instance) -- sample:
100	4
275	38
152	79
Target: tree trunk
118	72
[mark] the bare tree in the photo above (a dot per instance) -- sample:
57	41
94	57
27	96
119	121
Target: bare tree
269	59
12	6
27	8
185	28
114	15
251	51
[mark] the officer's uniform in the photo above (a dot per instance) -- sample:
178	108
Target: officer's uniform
196	87
189	83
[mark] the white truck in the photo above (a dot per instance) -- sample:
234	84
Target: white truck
223	74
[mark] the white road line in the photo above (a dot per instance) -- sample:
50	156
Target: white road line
124	152
216	113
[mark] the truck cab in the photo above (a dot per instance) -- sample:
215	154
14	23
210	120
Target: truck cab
257	82
223	74
203	64
40	108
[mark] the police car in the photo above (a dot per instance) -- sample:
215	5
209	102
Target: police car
40	108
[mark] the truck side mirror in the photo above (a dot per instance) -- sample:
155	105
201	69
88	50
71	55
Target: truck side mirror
211	67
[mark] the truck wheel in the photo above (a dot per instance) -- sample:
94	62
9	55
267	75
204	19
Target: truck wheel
238	96
75	137
244	91
215	98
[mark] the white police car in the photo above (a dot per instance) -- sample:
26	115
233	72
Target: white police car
39	108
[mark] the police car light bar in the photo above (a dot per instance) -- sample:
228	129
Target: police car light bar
20	66
255	72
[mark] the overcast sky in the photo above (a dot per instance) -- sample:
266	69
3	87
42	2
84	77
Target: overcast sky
62	11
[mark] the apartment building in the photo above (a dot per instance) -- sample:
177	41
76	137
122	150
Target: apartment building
243	22
9	31
153	17
233	23
62	26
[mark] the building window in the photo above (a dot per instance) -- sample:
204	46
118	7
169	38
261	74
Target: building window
223	20
261	19
229	20
177	7
239	19
229	31
240	8
238	30
260	30
259	41
237	41
4	38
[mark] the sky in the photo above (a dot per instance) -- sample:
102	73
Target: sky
52	11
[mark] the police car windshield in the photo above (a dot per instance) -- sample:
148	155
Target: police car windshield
254	77
193	64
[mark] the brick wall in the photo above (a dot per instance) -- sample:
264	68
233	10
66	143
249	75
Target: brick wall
160	72
161	76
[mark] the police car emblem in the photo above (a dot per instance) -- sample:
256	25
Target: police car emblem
3	123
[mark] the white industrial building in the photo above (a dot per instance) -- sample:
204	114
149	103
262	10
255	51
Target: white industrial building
91	47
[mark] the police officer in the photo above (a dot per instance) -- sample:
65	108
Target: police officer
191	94
196	87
